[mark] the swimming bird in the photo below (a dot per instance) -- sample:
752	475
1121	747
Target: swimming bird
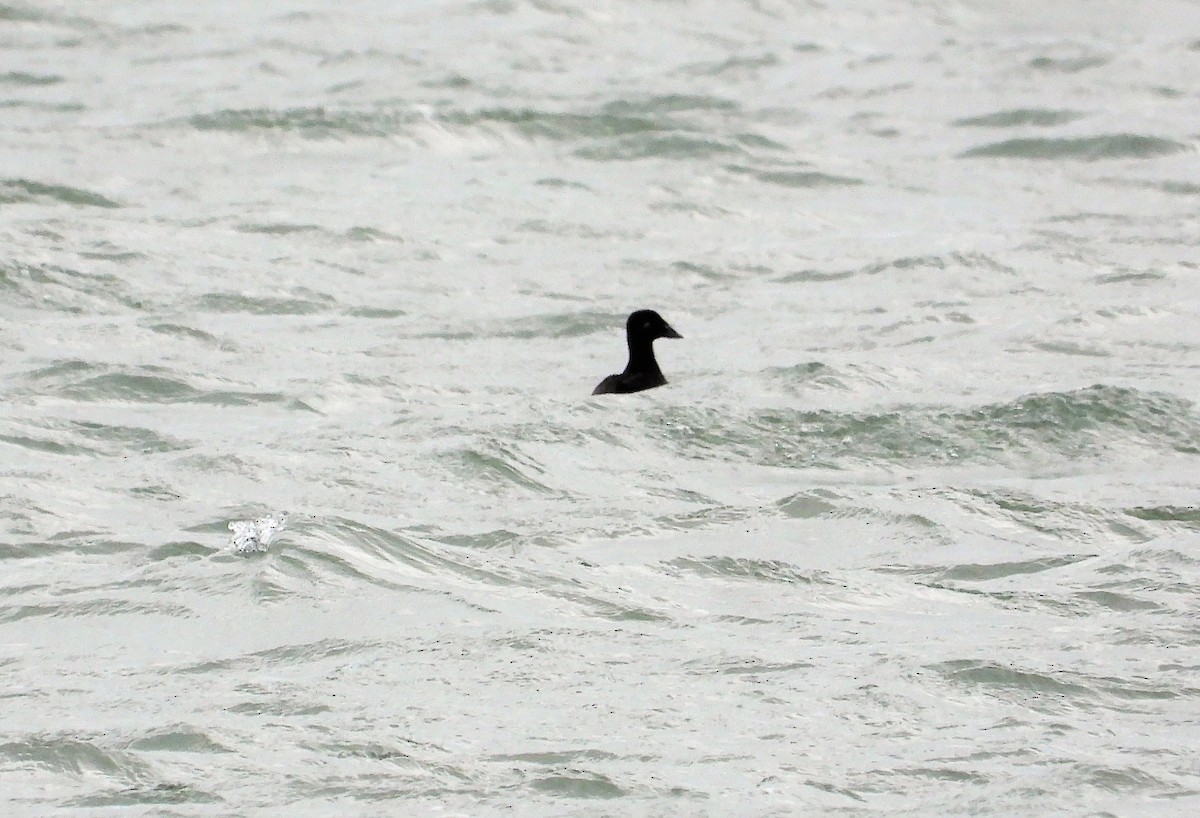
642	371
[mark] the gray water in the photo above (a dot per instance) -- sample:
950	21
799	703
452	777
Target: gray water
911	531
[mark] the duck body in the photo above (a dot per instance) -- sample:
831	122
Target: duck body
627	382
642	372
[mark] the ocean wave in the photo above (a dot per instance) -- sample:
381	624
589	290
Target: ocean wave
1060	425
676	127
13	191
669	146
90	439
1086	148
795	178
310	123
1020	117
87	381
1051	689
534	124
305	303
903	264
41	286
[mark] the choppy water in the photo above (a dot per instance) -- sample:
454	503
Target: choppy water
912	531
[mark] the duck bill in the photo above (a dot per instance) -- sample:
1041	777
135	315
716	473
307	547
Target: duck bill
668	331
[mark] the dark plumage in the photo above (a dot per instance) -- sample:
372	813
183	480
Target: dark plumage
642	372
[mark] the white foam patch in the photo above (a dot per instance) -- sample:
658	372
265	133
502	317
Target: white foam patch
251	536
